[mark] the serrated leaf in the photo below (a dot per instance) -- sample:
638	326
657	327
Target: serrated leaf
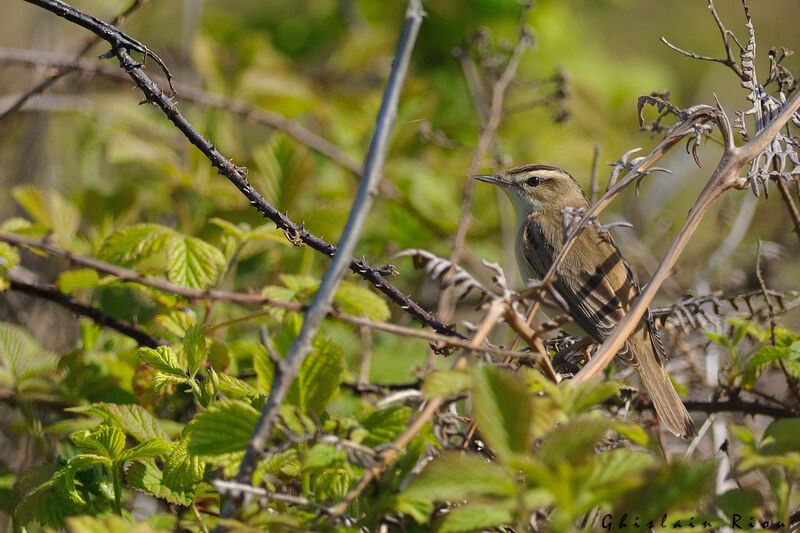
455	476
146	477
385	425
474	517
129	245
146	450
193	263
182	470
447	383
760	360
502	408
77	464
234	387
225	427
284	166
22	360
104	524
176	322
264	367
132	419
106	441
162	359
74	280
319	377
40	495
195	347
357	300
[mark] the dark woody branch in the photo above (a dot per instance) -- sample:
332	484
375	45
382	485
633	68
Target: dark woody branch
100	317
121	47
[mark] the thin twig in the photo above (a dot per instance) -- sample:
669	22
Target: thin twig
248	112
287	370
99	316
487	133
595	186
67	67
763	285
794	214
237	175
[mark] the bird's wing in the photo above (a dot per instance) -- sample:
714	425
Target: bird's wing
598	300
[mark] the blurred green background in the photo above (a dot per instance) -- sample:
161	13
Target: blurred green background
324	64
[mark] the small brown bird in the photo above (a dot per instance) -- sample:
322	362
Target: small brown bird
594	280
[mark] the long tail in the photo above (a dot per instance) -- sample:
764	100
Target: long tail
668	404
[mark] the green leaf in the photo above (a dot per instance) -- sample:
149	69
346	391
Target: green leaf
781	436
264	367
573	441
455	476
181	470
447	383
671	487
759	361
502	408
385	425
176	322
744	502
23	362
77	464
319	378
283	166
230	228
193	263
225	427
195	347
40	495
9	257
129	245
106	441
474	517
234	387
50	209
146	450
146	477
588	395
162	359
357	300
130	418
74	280
322	456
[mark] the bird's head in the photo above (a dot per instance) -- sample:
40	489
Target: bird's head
535	188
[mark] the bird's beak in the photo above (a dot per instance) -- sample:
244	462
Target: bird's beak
495	179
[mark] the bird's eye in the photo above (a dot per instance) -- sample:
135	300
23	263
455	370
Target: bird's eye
533	181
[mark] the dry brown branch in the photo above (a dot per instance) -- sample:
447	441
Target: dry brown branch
495	114
724	178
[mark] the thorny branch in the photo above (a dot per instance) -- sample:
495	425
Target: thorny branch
288	367
237	175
